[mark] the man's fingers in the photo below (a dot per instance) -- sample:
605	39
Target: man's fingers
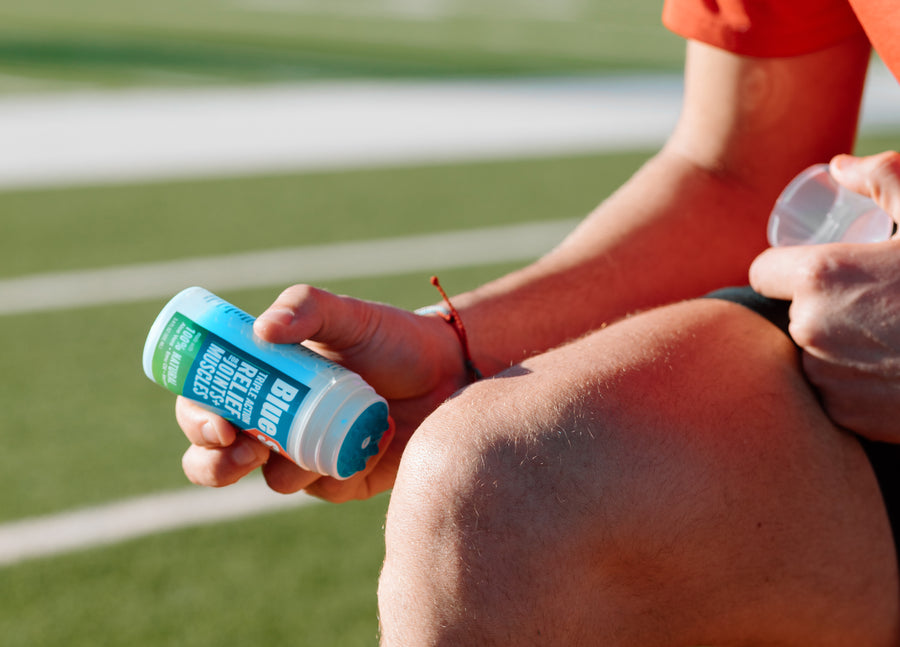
202	427
218	467
877	176
776	272
286	477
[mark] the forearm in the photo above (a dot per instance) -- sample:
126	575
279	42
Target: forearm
674	231
694	217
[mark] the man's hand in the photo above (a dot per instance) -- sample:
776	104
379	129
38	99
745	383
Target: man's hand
845	311
412	361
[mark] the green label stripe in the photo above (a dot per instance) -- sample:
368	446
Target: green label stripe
198	364
176	350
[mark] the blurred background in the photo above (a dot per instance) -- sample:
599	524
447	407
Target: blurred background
148	146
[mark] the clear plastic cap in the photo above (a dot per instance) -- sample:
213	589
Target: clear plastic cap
815	209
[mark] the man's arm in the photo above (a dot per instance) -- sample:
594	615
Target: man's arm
693	218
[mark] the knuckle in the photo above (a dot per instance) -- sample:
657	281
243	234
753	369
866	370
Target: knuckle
803	334
815	270
887	163
823	269
198	470
186	414
327	490
284	477
883	182
807	325
281	486
205	467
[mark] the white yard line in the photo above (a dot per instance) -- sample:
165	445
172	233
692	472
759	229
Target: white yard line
136	135
424	10
120	521
427	252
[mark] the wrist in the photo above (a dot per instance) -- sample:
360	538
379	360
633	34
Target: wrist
444	355
449	315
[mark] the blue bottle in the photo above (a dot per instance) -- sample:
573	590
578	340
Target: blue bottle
315	412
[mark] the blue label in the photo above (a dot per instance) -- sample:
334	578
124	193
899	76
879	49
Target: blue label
255	397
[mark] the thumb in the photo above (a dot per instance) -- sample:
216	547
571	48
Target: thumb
303	313
876	176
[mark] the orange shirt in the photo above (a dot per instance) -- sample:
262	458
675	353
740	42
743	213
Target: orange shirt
769	28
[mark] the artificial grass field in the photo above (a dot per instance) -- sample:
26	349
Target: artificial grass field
82	425
305	577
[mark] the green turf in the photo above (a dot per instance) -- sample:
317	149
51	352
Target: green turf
112	42
49	230
302	577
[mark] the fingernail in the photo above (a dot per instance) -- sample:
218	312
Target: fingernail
842	162
208	431
282	316
243	454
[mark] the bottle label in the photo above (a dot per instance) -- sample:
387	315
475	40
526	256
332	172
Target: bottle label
192	361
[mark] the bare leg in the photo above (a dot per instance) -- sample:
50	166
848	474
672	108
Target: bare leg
670	480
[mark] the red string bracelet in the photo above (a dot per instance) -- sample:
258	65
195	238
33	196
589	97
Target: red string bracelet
449	314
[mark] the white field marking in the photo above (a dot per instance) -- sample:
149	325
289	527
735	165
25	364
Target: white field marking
84	137
425	10
413	10
282	267
138	135
129	519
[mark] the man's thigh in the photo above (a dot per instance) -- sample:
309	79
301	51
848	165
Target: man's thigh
671	475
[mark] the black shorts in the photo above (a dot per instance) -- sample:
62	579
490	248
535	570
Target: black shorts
884	457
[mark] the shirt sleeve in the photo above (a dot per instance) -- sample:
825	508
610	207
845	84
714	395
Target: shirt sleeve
764	28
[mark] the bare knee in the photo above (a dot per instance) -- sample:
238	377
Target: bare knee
522	519
636	484
484	527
